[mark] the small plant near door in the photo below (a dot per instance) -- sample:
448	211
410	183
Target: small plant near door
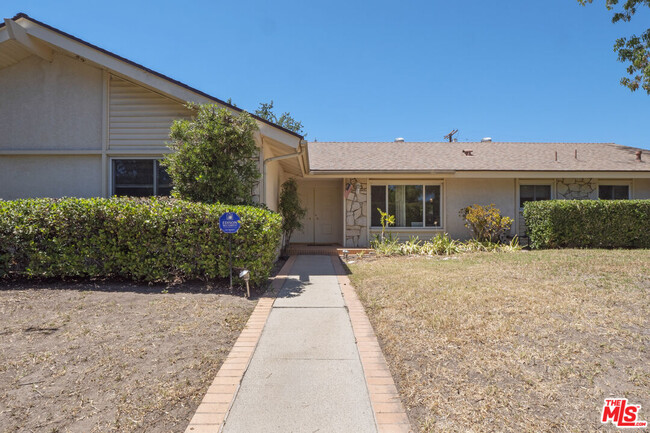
486	222
291	209
381	244
385	220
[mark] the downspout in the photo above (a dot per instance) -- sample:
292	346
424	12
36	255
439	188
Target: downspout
278	158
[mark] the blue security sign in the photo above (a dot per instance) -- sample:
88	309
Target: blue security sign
229	222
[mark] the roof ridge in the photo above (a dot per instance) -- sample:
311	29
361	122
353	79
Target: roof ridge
470	142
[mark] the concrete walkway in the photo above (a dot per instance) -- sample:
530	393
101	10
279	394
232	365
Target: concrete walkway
305	374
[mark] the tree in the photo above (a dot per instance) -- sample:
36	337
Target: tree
636	49
265	111
291	209
214	156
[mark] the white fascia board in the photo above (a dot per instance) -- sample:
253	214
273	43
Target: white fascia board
278	135
16	32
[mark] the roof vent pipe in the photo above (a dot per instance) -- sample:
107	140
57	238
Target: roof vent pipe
486	140
638	154
399	140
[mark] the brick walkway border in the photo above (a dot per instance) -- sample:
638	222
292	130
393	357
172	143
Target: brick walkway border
210	414
386	404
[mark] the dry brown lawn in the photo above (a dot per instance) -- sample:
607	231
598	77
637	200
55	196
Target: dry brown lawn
517	342
110	357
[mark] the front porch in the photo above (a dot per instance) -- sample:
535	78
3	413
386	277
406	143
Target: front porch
336	216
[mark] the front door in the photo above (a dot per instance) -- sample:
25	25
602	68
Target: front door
323	222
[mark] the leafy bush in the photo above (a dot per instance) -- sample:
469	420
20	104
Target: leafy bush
486	222
441	244
291	209
588	223
214	156
141	239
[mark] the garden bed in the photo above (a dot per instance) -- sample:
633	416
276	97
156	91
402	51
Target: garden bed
111	356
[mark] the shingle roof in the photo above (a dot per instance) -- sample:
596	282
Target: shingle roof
492	156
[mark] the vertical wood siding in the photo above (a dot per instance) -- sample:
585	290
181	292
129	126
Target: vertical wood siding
139	117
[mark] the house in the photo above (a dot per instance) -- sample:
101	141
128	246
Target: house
425	185
77	120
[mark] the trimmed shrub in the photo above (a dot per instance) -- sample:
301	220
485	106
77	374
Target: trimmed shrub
486	222
588	223
152	239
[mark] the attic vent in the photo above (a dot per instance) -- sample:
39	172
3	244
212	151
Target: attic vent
486	140
399	140
468	152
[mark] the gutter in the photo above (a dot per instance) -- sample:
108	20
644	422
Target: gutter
278	158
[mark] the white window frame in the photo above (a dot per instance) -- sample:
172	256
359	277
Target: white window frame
408	182
111	176
606	182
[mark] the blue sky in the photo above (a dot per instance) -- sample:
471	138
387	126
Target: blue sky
372	71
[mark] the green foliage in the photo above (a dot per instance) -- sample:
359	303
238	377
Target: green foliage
285	120
588	223
290	208
156	239
441	244
486	222
636	49
214	156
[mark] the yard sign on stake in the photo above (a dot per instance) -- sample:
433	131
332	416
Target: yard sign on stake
229	223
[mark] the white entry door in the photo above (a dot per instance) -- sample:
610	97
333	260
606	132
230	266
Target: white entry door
323	223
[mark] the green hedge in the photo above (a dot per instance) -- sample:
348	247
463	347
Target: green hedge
588	223
152	239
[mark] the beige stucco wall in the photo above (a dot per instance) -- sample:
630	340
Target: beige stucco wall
274	176
465	192
50	176
50	106
641	189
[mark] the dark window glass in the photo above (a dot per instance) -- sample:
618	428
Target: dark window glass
164	182
533	193
377	200
613	192
432	206
405	202
412	206
135	177
133	172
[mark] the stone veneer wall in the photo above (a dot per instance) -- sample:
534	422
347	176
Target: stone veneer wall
356	220
577	189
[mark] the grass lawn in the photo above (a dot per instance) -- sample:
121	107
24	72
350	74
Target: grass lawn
519	342
110	357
